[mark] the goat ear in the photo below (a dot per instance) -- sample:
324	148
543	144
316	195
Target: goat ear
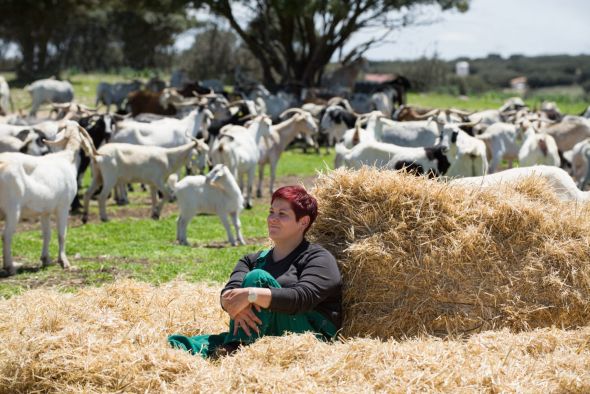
61	143
23	135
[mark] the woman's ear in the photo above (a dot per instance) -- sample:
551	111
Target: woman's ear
304	221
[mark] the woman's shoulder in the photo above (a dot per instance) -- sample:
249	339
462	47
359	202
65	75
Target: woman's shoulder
252	257
314	249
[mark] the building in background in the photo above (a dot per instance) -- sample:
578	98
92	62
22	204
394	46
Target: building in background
462	68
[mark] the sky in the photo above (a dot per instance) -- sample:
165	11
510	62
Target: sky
504	27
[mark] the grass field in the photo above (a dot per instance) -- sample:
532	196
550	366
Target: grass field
569	99
133	245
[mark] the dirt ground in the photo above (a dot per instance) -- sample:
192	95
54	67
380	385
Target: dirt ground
140	208
144	208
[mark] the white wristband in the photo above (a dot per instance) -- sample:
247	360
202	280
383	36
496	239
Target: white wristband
252	295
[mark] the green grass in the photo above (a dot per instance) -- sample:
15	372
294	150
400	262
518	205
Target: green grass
144	249
569	100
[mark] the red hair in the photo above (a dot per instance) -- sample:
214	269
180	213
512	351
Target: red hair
302	203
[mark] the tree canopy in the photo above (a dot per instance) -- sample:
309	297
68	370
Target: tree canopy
292	40
295	40
91	34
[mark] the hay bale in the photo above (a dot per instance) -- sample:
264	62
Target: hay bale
421	257
113	339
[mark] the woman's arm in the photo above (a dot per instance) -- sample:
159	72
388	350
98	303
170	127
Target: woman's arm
319	279
236	300
243	266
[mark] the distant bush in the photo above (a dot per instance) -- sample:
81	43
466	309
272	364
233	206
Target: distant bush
490	73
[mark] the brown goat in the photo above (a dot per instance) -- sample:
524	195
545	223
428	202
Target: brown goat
143	101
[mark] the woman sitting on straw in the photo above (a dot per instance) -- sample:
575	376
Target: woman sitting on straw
294	287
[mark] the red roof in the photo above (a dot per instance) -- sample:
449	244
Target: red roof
379	78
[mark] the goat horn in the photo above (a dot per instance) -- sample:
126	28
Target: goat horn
292	110
428	114
247	117
61	106
231	137
469	124
459	112
88	139
335	100
87	108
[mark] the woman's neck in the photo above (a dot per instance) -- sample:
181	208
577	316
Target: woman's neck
284	248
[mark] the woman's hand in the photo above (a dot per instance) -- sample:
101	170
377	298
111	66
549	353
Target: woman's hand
247	319
235	301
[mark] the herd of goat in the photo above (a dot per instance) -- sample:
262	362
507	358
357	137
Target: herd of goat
43	160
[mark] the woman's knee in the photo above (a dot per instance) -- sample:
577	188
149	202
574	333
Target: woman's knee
259	278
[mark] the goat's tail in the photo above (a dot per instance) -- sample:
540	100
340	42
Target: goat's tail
172	181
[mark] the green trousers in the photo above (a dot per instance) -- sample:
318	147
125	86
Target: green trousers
273	323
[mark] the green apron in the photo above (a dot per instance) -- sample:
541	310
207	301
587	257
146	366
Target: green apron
273	323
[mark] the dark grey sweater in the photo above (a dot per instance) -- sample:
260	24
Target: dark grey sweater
309	277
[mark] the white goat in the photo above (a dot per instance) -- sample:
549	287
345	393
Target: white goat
49	91
238	148
580	159
5	98
118	163
424	160
27	141
502	142
165	133
41	187
538	148
281	135
216	193
559	181
467	154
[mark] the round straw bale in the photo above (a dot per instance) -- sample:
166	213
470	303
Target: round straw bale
421	257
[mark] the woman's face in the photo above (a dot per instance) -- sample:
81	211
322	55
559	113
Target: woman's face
281	222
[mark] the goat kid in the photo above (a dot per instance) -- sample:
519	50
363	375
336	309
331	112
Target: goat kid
216	193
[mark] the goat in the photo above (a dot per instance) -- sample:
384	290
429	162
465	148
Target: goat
161	103
115	93
568	133
5	98
579	157
281	135
558	180
501	141
344	77
119	163
424	160
27	141
217	193
334	122
466	154
538	148
100	129
49	91
238	148
40	187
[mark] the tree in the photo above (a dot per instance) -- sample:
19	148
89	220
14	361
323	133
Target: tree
51	34
215	54
295	40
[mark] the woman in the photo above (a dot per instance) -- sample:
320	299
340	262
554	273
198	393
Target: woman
294	287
